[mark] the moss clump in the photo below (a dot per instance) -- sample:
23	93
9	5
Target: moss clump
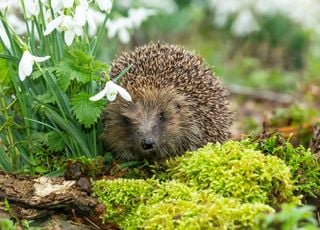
304	166
236	169
215	213
218	186
122	196
152	204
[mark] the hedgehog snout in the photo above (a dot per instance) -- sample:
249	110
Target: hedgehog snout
148	143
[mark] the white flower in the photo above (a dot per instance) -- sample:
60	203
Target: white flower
17	24
71	28
104	5
68	24
67	3
59	5
54	24
83	15
32	7
139	15
4	4
244	24
56	5
110	91
121	27
26	64
97	17
4	37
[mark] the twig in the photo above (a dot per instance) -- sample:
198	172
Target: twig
261	94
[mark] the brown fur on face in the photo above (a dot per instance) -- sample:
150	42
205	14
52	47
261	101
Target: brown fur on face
161	115
176	102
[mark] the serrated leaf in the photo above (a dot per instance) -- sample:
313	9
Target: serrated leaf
87	112
63	81
45	98
55	142
77	65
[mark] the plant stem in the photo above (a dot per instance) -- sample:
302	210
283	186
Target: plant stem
10	134
100	34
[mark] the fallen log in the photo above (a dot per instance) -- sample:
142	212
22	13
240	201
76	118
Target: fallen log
32	198
41	195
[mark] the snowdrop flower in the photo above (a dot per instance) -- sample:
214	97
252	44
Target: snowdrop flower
54	24
97	17
4	5
82	15
67	3
71	29
4	37
65	23
59	5
104	5
17	24
244	24
26	64
121	27
137	16
167	6
9	4
73	26
110	91
32	7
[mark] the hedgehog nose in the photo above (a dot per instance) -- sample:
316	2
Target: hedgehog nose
148	143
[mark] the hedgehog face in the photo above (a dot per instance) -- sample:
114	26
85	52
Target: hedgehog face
178	104
150	127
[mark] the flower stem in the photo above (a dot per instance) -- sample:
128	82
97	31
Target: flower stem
10	138
100	34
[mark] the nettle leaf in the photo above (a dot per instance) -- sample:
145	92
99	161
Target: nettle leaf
39	100
87	112
46	98
77	65
55	142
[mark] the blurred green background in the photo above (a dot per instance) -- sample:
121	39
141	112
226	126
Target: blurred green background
266	52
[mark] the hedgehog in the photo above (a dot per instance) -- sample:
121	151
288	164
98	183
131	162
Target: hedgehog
177	105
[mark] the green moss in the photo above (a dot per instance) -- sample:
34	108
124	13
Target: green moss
236	169
215	213
152	204
122	196
304	167
218	187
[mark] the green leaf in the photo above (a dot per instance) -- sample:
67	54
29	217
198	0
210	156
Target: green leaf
5	78
63	80
40	169
5	161
45	98
77	65
77	141
36	74
55	142
87	112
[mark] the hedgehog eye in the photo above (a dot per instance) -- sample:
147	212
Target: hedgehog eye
161	116
126	120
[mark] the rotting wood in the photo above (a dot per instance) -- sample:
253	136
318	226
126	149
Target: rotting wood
34	197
